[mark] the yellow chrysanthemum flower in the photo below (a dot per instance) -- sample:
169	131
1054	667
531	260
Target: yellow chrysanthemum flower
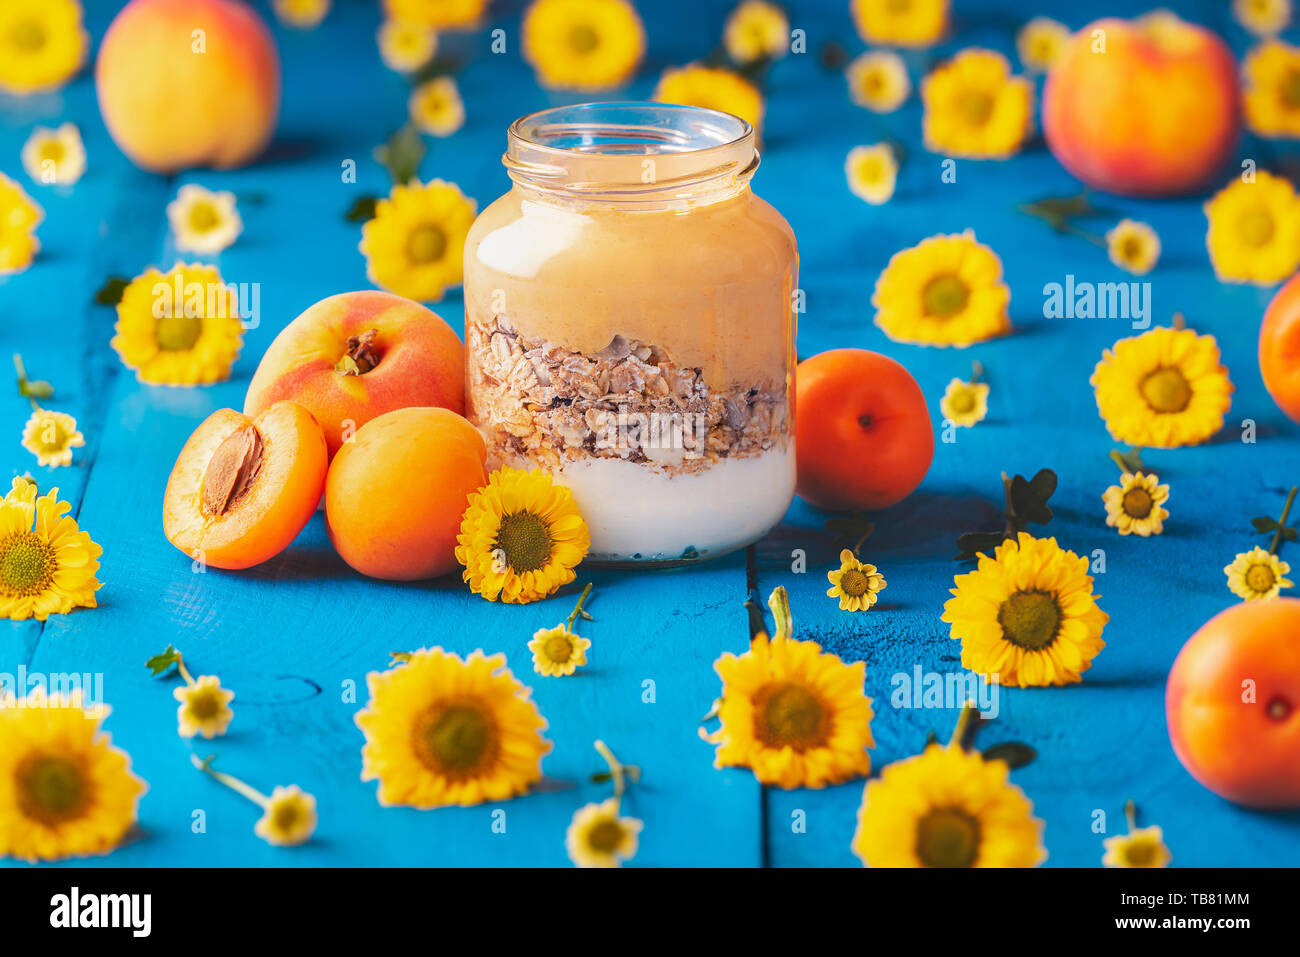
441	730
713	89
205	707
903	23
1142	847
1135	505
1041	42
55	157
42	44
945	291
1133	246
872	173
521	537
878	80
975	108
303	14
1264	18
405	46
856	584
1027	615
179	328
51	437
947	807
557	651
583	44
1254	233
436	108
202	221
1257	575
1162	389
19	217
65	791
1272	89
289	819
794	715
598	837
965	403
448	14
47	564
756	30
414	246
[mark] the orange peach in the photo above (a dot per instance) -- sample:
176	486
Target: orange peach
396	493
1148	107
186	83
1279	348
357	355
242	489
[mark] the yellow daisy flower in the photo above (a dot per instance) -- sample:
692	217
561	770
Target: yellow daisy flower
1134	506
47	564
756	30
713	89
872	172
946	291
1264	18
878	80
179	328
1272	89
558	651
436	107
903	23
290	817
857	585
51	437
794	715
583	44
303	14
521	537
598	837
1162	389
441	730
414	246
1257	575
1041	42
1027	615
55	157
1254	233
1142	847
947	807
42	44
202	221
205	707
406	46
449	14
1133	246
975	108
965	403
65	791
19	217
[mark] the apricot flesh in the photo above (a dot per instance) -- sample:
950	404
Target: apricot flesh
242	489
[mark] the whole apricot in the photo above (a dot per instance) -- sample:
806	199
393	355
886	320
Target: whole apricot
1279	348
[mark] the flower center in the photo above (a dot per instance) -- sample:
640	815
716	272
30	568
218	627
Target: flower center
27	565
945	296
1260	578
28	35
947	837
525	540
963	400
50	789
178	333
1166	390
1139	853
1255	227
426	244
558	648
1137	503
1130	249
52	151
286	815
854	583
203	217
1290	90
975	106
456	739
583	39
1030	619
606	836
204	704
789	715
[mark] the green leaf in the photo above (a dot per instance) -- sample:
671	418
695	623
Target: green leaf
110	294
402	154
1015	753
833	56
399	657
38	389
601	777
1290	534
851	530
1029	499
971	544
161	663
1263	524
1131	461
363	210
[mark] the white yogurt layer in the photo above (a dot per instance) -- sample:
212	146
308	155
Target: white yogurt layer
641	514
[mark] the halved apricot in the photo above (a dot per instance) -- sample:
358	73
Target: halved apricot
242	489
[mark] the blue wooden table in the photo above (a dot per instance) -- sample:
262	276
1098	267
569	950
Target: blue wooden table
295	637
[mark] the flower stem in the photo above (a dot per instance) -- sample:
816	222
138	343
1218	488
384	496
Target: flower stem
1281	522
1118	459
1180	321
1131	814
236	785
577	609
976	371
185	672
963	735
779	602
616	769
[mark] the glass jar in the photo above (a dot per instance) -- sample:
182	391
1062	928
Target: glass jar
629	327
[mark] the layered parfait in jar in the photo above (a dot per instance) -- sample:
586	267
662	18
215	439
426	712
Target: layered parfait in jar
629	327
